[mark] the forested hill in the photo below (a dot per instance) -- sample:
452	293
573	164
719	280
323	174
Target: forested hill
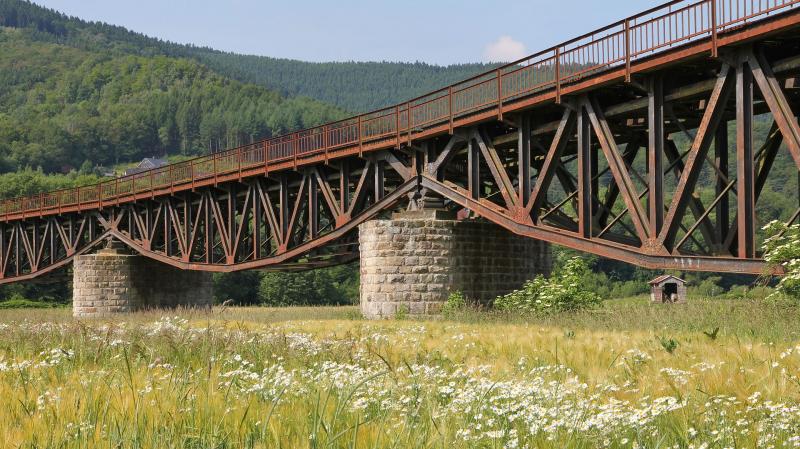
62	107
353	86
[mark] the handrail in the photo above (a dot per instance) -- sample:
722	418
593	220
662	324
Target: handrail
616	45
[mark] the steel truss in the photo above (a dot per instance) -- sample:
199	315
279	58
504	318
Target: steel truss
613	171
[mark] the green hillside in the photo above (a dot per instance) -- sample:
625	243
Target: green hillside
62	106
353	86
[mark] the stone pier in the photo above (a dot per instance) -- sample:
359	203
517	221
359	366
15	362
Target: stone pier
415	260
114	281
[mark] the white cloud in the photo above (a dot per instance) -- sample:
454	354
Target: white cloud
504	49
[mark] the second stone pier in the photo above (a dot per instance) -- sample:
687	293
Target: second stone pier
115	281
415	260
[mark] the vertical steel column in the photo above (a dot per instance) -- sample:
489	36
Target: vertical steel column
745	188
208	238
655	155
231	222
344	186
380	189
584	174
283	205
473	171
313	208
167	228
721	161
17	230
594	154
3	260
187	225
53	225
257	219
524	159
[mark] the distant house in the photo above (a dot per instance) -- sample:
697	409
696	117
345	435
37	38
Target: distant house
104	171
146	164
668	289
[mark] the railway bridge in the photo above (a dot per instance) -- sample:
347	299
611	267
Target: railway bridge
615	143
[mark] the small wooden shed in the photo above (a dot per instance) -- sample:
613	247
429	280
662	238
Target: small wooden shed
668	289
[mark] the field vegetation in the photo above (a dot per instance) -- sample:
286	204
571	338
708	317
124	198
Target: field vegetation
712	373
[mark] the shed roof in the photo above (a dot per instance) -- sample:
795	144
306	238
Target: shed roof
664	277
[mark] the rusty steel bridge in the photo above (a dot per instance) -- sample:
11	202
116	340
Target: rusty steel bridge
598	144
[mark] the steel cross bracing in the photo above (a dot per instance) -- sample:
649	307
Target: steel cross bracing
602	144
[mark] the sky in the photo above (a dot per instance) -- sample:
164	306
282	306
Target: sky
434	31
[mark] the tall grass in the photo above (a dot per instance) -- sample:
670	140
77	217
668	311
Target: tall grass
771	321
317	378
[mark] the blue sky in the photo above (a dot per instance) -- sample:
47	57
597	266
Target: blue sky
434	31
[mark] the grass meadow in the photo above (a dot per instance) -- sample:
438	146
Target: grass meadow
709	374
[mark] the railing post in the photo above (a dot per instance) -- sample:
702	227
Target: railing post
214	167
499	94
408	121
325	141
239	156
191	173
558	75
116	190
293	146
397	125
627	51
360	138
152	186
450	106
714	52
266	157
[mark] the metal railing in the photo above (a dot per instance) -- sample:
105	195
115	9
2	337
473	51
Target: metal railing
645	34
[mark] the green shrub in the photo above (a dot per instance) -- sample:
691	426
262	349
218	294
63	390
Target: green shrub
669	344
783	250
402	312
22	303
626	289
454	304
707	288
562	291
324	286
748	292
